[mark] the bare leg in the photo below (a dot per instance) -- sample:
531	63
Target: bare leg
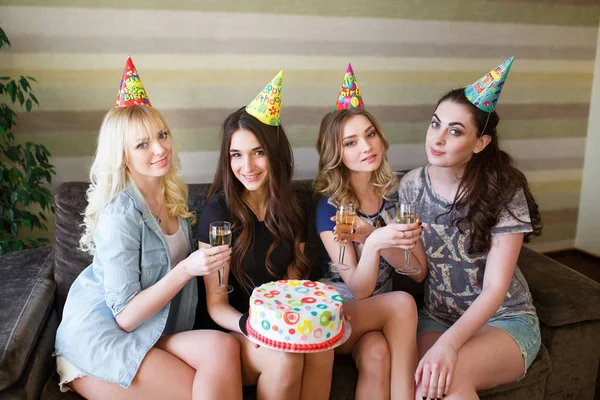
220	378
316	377
372	357
165	375
490	358
395	314
277	374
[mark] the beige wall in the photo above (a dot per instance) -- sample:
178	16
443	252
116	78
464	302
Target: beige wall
588	225
200	60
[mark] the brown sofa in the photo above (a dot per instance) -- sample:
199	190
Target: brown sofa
35	283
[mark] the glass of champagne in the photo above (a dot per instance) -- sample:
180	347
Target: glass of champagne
220	234
406	213
344	222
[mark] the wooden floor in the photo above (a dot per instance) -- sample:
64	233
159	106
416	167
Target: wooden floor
587	265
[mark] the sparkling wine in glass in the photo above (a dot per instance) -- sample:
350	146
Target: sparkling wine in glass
220	234
344	222
406	213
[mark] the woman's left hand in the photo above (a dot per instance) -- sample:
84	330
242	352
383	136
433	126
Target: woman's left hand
435	370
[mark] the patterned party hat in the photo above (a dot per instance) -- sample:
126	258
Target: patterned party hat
349	96
131	91
267	104
484	93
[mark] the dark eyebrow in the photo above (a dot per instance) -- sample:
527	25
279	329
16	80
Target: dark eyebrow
369	128
238	151
451	123
349	136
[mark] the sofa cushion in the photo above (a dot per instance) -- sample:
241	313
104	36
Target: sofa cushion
69	205
26	300
561	295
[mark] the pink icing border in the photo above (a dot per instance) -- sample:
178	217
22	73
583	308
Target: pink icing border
294	346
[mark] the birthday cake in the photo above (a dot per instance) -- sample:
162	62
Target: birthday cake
296	315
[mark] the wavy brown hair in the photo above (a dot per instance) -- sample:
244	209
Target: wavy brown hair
283	218
489	182
333	176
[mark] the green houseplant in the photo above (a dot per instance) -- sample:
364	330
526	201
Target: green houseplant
25	173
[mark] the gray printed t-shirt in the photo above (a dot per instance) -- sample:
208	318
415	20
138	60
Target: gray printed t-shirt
455	277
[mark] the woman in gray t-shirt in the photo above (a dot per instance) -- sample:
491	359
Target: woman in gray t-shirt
478	328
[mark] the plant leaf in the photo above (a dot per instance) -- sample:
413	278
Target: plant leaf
24	84
3	38
20	96
11	88
34	98
28	105
14	196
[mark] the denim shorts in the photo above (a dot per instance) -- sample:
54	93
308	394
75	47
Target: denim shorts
524	329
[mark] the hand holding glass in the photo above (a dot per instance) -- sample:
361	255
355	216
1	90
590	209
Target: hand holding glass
344	222
406	213
220	234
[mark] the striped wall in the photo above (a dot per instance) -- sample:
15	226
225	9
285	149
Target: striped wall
200	60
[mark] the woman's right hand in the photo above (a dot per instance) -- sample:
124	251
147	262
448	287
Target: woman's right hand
404	236
207	260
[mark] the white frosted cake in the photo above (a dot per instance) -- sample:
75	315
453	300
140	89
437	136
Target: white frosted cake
296	315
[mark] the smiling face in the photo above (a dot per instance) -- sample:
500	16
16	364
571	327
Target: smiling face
248	160
452	136
149	155
362	148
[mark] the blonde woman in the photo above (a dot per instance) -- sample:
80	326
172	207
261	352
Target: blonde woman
126	327
353	168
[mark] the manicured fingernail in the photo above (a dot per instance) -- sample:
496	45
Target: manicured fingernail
420	223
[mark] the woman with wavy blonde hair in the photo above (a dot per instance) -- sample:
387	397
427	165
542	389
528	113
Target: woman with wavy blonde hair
353	168
126	327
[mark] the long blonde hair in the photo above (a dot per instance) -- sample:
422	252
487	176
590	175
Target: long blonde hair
109	174
333	177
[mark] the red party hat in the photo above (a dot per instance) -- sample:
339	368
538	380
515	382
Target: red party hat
131	91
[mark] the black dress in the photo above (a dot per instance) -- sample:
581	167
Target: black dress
253	263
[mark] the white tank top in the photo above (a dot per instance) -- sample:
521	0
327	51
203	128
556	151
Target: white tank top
178	246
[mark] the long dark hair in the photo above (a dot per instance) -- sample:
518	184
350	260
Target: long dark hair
283	218
489	182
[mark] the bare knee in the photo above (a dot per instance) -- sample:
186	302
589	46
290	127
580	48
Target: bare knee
287	368
373	357
403	306
225	347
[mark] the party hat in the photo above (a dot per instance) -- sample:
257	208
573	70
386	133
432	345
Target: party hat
349	96
131	91
484	93
267	104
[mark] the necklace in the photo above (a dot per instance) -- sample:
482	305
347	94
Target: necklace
375	221
157	216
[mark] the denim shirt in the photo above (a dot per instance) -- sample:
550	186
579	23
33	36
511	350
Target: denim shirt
131	255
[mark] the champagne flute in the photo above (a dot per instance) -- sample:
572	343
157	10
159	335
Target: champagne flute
220	234
406	213
344	221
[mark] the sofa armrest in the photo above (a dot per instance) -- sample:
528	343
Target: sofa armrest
561	295
26	301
